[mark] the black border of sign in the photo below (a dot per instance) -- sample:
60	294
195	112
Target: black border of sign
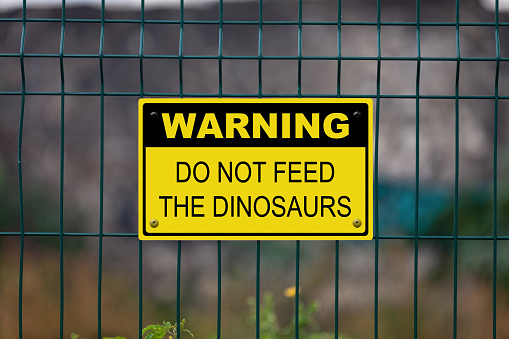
366	228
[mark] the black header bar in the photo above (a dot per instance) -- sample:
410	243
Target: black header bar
154	133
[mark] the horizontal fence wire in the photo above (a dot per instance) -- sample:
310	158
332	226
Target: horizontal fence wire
61	234
263	22
135	235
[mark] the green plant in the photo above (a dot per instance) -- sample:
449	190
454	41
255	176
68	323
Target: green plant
154	331
270	328
159	331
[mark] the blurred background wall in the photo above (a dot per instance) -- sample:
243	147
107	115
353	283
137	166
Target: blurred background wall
355	75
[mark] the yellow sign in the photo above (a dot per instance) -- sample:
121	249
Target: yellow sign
255	169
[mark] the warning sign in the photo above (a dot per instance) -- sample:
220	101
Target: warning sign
231	169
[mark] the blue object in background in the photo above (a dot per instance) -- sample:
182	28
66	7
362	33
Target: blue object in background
396	207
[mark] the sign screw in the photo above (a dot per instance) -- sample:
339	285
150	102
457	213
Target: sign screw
153	114
357	223
357	115
154	223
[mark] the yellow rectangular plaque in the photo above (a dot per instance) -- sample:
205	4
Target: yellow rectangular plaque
255	169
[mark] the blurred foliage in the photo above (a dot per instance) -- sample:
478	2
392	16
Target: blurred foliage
474	216
271	329
41	212
9	213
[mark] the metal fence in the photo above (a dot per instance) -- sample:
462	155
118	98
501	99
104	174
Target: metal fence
264	84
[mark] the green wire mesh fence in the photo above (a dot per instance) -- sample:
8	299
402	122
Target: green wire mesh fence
416	60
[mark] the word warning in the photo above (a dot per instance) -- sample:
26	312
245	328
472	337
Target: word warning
231	169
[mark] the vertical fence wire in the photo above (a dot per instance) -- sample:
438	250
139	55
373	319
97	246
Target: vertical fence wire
338	79
179	267
336	291
62	141
258	243
20	172
299	52
257	297
297	287
220	50
181	49
219	270
417	165
375	169
140	289
456	174
220	94
299	94
101	175
260	37
142	40
495	170
140	244
336	259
